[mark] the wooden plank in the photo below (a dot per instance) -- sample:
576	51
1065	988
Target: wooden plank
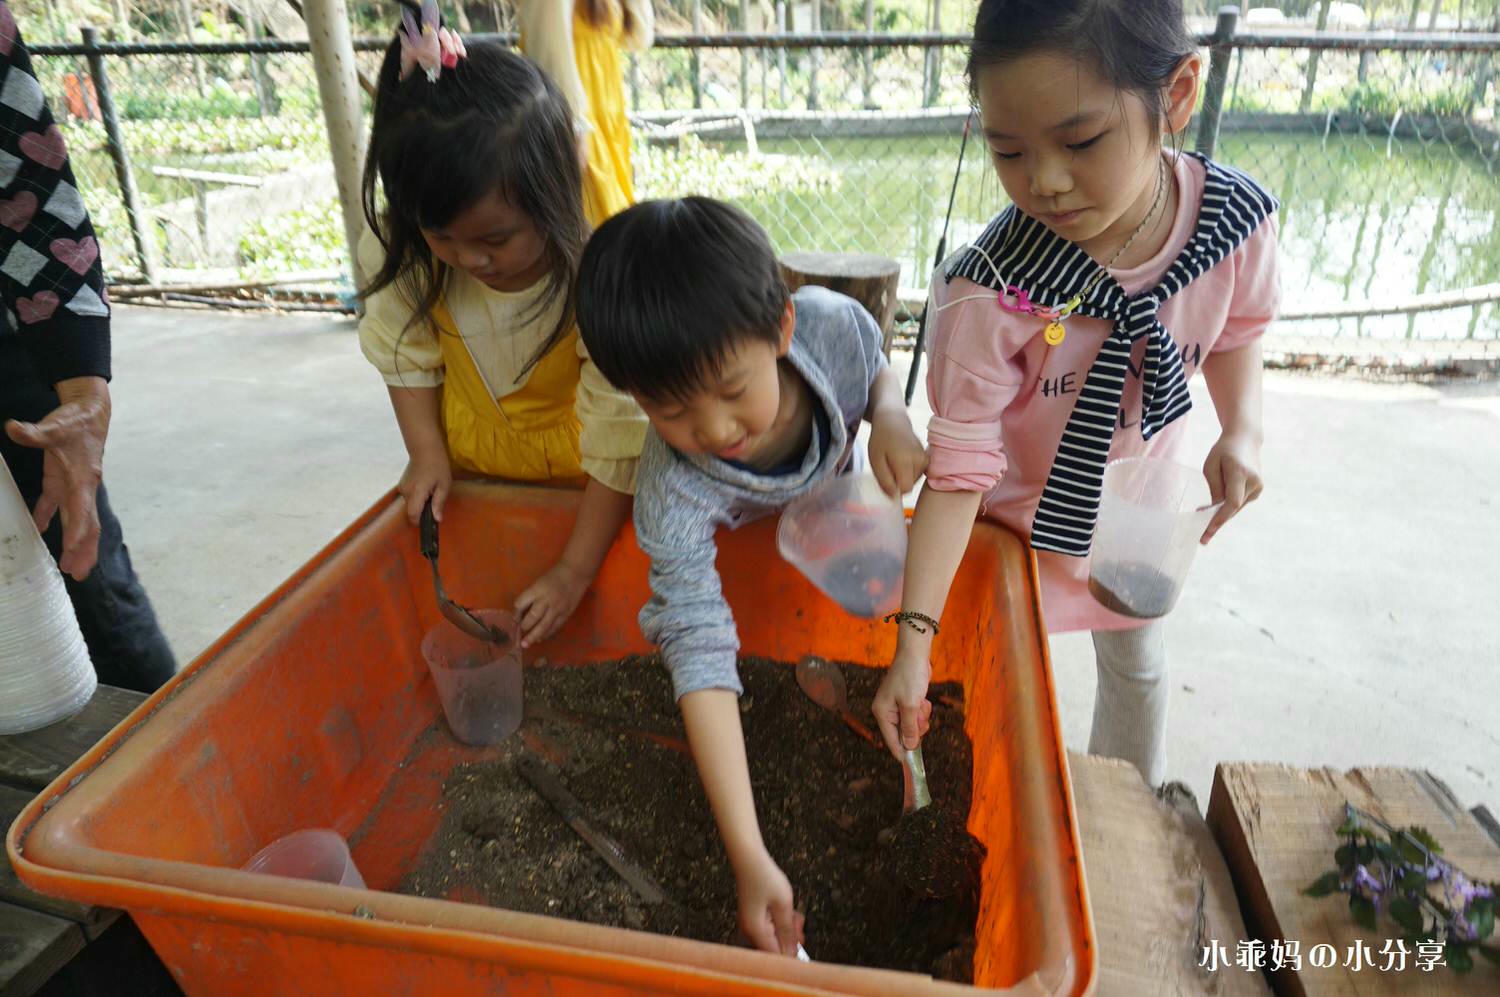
33	946
1158	886
208	176
92	919
1275	824
31	761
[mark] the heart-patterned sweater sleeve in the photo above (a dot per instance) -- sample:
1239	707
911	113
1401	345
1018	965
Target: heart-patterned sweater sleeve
50	277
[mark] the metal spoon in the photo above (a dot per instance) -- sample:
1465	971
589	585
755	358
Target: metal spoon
914	794
823	682
455	614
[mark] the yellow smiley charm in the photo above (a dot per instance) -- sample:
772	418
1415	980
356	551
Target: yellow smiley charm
1054	333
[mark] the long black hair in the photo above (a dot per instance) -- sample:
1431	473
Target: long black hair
493	123
1135	45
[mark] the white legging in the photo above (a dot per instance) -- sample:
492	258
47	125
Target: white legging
1130	705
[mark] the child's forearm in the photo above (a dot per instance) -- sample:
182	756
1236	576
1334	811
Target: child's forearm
600	515
885	396
1234	384
712	718
940	530
418	416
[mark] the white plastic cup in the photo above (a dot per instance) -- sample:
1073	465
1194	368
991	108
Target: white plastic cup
478	683
316	854
45	673
848	537
1151	516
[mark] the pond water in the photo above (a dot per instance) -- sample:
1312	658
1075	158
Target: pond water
1355	224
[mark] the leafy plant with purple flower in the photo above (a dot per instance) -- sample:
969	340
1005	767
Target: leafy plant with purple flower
1400	873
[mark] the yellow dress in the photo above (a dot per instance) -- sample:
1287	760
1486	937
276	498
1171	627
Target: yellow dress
587	64
556	422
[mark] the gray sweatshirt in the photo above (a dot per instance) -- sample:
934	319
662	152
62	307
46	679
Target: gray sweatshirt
682	499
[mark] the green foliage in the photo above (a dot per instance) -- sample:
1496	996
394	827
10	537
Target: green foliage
310	238
1383	98
220	102
693	167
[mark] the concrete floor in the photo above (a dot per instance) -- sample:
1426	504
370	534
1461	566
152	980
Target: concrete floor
1349	618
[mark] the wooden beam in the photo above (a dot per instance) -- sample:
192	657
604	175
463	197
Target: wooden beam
93	920
32	760
35	945
1157	884
208	176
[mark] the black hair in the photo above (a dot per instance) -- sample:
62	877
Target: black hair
493	123
1135	45
667	288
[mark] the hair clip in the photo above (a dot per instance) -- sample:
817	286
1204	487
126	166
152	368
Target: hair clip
426	44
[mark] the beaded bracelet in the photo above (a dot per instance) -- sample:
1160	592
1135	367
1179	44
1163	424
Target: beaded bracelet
911	619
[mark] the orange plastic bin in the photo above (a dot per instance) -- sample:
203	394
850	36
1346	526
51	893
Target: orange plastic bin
301	715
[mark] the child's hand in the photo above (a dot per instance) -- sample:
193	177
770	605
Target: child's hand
897	457
901	708
429	475
766	914
1233	473
549	601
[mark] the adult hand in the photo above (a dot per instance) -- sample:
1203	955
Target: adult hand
72	440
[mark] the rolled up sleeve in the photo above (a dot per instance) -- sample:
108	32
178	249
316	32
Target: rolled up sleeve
971	379
406	353
614	428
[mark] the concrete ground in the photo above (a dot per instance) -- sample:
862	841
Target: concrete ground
1348	618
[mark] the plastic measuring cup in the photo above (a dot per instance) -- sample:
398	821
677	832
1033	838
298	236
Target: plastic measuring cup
849	538
1151	516
479	683
316	853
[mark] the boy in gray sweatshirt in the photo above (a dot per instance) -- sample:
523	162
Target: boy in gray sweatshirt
754	397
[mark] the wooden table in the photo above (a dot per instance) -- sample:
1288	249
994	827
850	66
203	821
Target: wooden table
39	935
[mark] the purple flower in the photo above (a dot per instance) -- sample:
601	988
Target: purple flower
1364	881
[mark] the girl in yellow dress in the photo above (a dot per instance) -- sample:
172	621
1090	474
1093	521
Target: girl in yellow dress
579	44
471	255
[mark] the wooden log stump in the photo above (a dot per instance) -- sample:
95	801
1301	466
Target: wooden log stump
871	280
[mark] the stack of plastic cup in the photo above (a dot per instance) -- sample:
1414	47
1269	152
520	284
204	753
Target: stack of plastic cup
317	854
45	673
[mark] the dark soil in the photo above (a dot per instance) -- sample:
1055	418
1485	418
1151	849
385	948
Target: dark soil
877	889
1135	590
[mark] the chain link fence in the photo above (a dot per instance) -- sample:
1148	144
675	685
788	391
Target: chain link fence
1384	150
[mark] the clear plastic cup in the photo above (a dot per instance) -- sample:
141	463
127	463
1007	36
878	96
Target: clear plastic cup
479	684
316	854
849	538
1151	516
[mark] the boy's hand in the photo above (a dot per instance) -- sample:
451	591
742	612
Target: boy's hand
549	601
1233	473
901	708
766	914
897	457
426	475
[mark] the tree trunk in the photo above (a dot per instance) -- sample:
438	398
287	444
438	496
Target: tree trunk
873	281
1312	60
1416	10
1437	5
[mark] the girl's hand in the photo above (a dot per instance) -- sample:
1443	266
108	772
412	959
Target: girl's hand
426	475
765	904
549	601
901	708
1233	473
897	457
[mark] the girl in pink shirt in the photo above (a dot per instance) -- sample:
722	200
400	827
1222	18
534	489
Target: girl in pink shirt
1064	336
